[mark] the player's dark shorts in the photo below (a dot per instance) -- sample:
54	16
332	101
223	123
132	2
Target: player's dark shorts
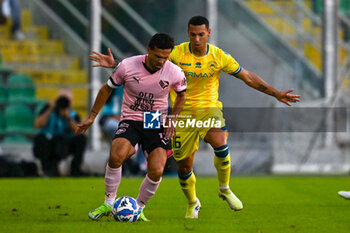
149	139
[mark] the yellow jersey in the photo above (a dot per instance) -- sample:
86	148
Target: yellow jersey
202	74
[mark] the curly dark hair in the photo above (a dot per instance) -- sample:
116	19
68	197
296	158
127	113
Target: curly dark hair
161	41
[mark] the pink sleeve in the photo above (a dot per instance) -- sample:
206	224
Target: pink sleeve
117	76
180	83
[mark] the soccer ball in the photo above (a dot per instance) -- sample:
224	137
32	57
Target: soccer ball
126	209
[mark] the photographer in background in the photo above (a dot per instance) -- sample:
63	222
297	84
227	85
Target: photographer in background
55	139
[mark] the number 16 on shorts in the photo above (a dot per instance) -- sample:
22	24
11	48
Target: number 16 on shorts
176	142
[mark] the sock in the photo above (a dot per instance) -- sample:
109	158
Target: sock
188	186
113	177
147	190
222	162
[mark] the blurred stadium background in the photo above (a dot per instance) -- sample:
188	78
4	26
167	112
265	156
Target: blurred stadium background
300	44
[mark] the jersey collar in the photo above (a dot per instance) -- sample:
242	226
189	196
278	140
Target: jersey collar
206	52
144	65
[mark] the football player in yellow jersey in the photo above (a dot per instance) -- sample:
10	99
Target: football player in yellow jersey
202	64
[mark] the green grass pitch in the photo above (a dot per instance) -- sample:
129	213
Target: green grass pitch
271	204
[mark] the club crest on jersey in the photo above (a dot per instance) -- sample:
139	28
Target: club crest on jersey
151	120
211	65
163	84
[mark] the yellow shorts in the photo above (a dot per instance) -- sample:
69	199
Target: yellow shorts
194	125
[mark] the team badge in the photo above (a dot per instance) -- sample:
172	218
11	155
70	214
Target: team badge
163	84
212	65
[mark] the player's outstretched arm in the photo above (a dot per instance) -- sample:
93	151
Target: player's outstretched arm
102	60
100	100
257	83
287	98
178	105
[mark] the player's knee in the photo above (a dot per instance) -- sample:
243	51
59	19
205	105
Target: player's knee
216	138
155	174
185	169
115	160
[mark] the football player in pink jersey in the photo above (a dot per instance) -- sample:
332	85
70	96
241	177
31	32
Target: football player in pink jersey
147	80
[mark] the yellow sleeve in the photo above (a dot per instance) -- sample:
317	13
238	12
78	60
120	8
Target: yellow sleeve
174	55
229	64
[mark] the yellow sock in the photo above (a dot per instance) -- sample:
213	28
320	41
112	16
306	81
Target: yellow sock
188	186
223	168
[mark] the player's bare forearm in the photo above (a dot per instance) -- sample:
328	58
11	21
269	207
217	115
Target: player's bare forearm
100	100
179	103
257	83
177	108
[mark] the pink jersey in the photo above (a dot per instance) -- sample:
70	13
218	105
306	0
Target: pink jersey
144	91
